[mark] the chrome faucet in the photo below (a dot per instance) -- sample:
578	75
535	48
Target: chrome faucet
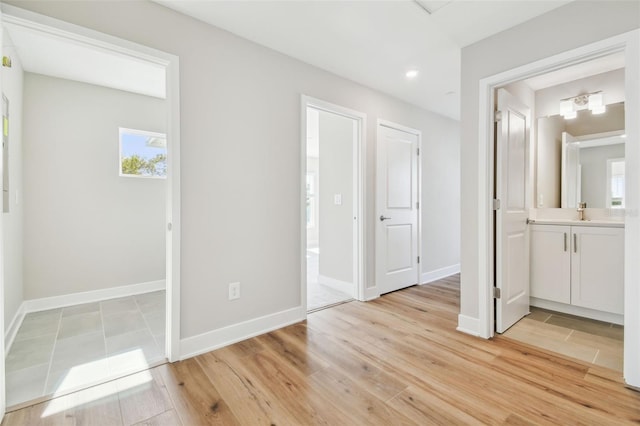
581	207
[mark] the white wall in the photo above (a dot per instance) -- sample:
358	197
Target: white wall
85	227
240	153
12	222
336	177
557	31
440	204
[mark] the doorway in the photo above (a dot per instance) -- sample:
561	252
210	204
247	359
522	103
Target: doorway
332	235
164	322
628	46
561	279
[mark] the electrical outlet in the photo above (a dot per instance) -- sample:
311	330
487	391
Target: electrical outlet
234	291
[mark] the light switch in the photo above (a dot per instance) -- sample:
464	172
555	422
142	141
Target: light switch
337	199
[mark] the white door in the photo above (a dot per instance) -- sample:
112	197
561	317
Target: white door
571	176
397	264
512	241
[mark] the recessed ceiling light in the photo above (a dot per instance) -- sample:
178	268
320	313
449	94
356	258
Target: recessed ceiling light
412	73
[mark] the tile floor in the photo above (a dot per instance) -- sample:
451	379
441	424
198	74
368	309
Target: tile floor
589	340
66	349
319	295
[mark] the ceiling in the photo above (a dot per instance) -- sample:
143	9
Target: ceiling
374	42
57	56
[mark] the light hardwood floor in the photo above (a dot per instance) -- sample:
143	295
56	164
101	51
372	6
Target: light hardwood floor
395	360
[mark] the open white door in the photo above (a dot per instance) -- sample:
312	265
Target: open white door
397	234
571	182
512	239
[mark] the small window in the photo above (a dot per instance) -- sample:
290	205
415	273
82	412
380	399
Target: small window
143	154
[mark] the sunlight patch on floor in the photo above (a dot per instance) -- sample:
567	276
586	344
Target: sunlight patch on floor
79	375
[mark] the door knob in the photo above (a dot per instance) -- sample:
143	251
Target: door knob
383	218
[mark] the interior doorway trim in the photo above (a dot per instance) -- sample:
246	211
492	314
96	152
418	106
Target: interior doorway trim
629	43
97	40
358	191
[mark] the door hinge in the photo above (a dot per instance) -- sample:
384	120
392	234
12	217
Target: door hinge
498	116
418	259
496	204
417	151
496	293
417	204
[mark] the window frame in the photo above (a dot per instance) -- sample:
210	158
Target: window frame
138	132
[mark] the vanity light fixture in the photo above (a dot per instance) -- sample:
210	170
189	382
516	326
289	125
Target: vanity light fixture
596	103
567	109
593	101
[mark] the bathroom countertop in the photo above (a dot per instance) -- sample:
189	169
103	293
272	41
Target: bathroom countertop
596	222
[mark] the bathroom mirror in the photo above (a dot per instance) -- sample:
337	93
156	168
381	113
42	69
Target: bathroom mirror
581	161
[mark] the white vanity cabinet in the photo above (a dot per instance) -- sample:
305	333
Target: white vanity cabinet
577	265
550	274
597	268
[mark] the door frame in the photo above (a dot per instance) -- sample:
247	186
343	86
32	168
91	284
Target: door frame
97	40
358	191
418	133
629	43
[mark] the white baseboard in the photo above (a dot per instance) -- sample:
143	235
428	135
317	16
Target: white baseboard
54	302
468	325
342	286
45	303
429	277
370	293
216	339
577	311
12	330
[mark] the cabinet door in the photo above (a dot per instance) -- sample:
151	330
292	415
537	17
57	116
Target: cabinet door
597	268
551	263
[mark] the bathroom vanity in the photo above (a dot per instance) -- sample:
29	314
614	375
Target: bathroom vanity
577	267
